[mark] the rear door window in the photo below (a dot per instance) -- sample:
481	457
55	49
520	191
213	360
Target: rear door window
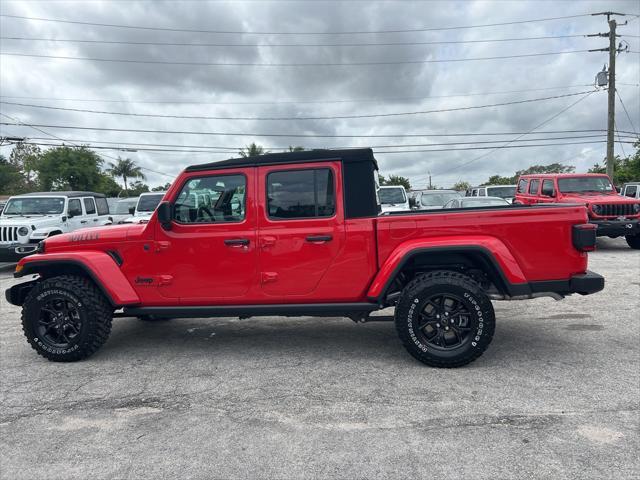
301	194
547	188
89	206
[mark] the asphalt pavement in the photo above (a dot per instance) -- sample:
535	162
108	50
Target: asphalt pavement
555	396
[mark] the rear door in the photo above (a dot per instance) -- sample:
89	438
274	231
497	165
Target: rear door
301	227
90	212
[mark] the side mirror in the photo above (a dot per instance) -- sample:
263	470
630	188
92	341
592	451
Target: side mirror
132	210
164	215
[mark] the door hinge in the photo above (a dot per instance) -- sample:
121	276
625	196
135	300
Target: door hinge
269	277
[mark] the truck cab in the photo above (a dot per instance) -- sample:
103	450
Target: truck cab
613	215
299	234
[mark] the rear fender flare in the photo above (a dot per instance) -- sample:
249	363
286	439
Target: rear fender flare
97	265
504	265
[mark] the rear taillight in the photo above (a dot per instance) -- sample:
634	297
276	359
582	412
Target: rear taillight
584	237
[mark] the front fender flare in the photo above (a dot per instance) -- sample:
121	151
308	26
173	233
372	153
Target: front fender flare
97	265
491	248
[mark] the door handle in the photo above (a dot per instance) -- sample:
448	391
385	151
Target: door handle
319	238
236	242
83	221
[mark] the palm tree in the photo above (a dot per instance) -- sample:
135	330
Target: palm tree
125	168
252	150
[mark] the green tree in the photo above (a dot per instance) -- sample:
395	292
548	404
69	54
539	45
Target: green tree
499	180
462	186
108	186
127	169
395	180
532	170
161	188
73	168
11	180
624	169
25	157
252	150
137	188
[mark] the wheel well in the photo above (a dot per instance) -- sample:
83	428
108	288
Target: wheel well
55	269
476	263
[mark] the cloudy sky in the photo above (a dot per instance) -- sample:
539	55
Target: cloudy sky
265	80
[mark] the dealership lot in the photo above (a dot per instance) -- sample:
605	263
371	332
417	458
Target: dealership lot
556	395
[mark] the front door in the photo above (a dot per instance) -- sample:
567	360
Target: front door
300	226
209	255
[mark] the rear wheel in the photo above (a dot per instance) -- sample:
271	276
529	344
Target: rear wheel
66	318
444	319
633	241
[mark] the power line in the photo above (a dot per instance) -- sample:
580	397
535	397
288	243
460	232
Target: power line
242	32
331	117
292	45
328	64
300	101
493	148
626	112
295	135
548	120
122	145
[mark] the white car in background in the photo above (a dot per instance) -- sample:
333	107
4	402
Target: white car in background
393	198
631	190
122	208
508	192
146	205
434	199
30	218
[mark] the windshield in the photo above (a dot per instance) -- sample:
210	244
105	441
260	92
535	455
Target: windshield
437	199
502	192
148	203
34	206
584	184
392	195
483	202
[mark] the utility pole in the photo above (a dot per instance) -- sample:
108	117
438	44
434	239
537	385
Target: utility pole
611	100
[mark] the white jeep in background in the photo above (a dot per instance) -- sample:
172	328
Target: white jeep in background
27	219
146	205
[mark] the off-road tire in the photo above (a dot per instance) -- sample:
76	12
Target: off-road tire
633	241
480	318
93	310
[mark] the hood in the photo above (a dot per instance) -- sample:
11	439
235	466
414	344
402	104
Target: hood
610	198
37	220
95	236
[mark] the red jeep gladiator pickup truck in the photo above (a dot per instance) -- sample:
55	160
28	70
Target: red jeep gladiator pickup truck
298	234
613	215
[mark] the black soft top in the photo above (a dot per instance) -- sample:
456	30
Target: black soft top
62	194
352	155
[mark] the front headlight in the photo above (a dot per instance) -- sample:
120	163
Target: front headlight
23	231
596	209
636	208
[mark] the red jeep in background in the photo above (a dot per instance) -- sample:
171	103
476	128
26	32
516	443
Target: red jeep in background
613	215
299	234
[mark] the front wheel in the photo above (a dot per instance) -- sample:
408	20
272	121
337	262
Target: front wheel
633	241
66	318
444	319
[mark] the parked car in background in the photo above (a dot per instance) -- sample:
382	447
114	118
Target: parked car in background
393	198
613	215
146	205
508	192
30	218
122	208
434	199
631	190
470	202
2	204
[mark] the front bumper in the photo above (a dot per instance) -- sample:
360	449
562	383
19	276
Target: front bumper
13	252
617	228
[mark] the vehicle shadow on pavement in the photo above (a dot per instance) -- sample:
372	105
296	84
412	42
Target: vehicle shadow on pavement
314	339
